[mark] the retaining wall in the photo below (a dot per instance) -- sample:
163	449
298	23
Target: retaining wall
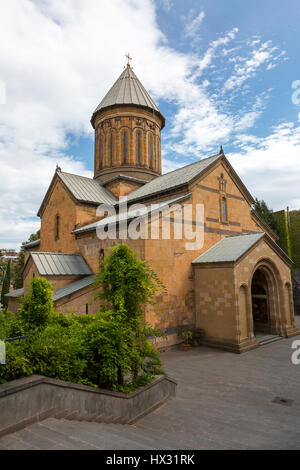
34	398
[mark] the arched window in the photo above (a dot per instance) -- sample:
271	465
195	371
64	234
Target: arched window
101	255
224	209
57	227
111	149
150	150
138	136
124	146
101	152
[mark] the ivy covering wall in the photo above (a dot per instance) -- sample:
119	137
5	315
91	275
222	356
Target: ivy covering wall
294	218
289	233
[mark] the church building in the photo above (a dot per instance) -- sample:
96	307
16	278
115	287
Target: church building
235	286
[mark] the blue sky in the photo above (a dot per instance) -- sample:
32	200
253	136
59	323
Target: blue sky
220	71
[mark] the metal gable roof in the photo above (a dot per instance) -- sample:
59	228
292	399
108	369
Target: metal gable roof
129	215
173	179
32	244
86	189
229	249
60	264
73	287
127	90
16	293
83	189
63	292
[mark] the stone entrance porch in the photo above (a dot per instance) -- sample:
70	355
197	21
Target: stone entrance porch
243	287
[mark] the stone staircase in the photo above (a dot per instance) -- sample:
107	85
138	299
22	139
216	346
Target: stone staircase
223	401
71	415
263	338
60	434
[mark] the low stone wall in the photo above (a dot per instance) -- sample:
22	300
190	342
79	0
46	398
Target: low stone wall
34	398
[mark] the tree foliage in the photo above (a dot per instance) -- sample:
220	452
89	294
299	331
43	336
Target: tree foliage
267	215
110	349
37	307
6	287
127	284
18	279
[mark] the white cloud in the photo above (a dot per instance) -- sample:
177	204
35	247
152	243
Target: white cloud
209	55
192	25
167	5
58	59
270	166
57	63
247	67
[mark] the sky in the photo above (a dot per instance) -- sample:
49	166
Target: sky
223	72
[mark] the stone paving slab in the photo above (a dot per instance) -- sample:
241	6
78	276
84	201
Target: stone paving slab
224	401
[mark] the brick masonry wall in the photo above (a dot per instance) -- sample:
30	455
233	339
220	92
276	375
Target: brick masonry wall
81	303
172	262
70	212
130	119
122	188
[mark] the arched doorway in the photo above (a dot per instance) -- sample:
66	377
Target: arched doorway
260	302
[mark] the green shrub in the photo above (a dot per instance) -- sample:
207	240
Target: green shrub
127	284
109	350
10	325
6	286
112	352
37	308
58	352
17	364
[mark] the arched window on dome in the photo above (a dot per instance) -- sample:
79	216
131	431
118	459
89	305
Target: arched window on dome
138	136
150	150
101	153
111	150
124	146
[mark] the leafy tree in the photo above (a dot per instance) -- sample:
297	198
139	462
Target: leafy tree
33	237
126	284
18	279
37	308
267	215
5	287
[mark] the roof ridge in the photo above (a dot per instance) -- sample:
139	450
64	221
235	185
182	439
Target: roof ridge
54	253
190	164
74	174
244	235
90	179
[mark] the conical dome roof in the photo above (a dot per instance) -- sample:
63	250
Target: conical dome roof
128	90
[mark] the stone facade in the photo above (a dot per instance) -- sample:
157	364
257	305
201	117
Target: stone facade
127	141
79	303
71	214
120	187
215	298
224	301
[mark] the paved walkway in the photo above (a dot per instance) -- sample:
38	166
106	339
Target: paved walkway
224	401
